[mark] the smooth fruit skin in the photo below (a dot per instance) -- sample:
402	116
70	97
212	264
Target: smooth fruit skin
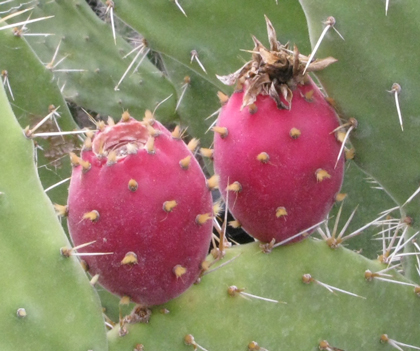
281	196
133	219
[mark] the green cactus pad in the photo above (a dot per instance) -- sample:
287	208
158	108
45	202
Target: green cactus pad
363	196
87	43
198	102
216	30
377	52
219	321
32	91
47	301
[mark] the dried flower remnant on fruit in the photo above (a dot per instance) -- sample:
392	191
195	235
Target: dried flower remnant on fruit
273	70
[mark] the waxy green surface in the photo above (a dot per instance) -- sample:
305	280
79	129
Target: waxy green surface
219	321
62	309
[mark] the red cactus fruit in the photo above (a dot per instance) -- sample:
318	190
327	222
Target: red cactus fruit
139	194
275	146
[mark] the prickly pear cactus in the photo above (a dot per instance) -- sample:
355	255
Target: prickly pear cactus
164	56
91	66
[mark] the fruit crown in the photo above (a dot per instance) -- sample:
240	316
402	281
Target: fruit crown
275	72
116	137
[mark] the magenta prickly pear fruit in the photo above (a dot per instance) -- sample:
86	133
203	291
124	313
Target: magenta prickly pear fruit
275	147
138	193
